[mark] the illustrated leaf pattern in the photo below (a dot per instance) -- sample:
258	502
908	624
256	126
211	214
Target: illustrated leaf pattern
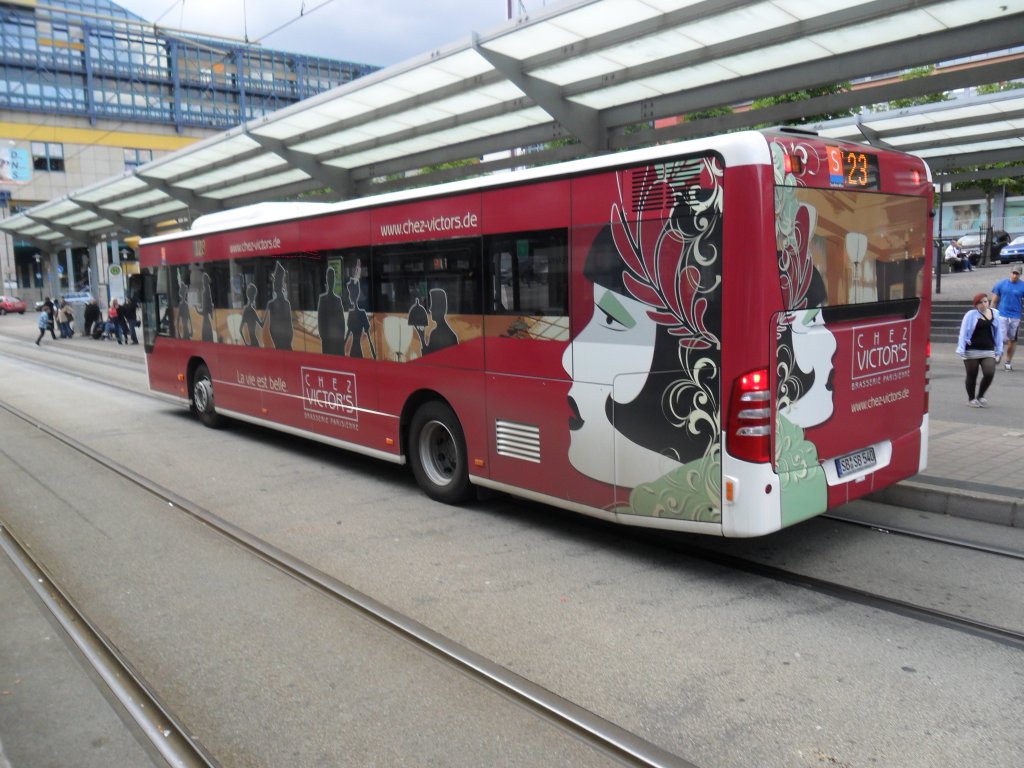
655	252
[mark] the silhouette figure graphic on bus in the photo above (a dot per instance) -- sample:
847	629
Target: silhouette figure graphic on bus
184	320
279	311
358	321
442	335
330	316
250	319
206	308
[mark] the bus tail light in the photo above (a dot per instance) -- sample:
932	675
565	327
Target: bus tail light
793	164
749	423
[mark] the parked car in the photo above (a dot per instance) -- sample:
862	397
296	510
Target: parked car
11	304
1013	251
78	297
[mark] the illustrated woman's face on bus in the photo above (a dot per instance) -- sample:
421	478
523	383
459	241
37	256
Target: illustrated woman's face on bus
609	362
814	346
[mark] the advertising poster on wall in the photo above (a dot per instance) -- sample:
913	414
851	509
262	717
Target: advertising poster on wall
1013	216
962	217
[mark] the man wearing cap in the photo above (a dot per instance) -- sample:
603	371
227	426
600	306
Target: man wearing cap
1008	296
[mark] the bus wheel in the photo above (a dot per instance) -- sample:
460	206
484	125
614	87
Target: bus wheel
202	398
438	454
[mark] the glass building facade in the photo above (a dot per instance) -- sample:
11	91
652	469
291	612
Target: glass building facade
94	59
89	90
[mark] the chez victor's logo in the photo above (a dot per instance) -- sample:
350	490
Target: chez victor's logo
330	393
881	349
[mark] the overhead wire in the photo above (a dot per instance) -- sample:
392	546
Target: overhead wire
169	9
303	12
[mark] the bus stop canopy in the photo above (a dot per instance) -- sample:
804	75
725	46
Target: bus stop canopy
582	78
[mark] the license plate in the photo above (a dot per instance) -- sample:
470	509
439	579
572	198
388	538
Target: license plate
855	462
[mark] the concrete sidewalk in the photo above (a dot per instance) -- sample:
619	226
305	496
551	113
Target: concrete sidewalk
962	286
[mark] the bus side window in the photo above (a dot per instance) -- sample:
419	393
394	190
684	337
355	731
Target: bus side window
406	274
527	273
156	303
311	281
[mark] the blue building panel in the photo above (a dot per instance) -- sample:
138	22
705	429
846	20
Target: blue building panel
77	57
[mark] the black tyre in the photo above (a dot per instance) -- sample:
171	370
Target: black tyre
3	311
202	398
437	454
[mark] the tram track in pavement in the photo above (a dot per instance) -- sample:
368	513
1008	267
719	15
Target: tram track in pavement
952	541
599	734
922	613
155	724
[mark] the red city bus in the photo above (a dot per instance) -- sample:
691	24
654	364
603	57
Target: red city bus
726	336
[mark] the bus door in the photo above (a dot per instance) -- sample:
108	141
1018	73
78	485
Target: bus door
526	330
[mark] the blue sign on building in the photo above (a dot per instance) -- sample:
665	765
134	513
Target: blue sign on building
15	165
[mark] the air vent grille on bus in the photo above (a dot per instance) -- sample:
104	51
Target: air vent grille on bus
646	195
518	441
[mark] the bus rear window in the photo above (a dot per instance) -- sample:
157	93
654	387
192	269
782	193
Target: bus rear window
843	247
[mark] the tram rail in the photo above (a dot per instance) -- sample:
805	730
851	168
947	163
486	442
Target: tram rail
925	536
601	735
158	727
1003	635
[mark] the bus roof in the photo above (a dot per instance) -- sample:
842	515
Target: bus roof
736	149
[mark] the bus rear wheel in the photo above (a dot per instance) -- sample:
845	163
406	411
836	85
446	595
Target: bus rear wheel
437	453
202	398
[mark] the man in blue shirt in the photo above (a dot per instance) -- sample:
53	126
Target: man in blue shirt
1008	296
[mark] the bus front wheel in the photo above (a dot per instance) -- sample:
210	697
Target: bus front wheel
202	398
438	454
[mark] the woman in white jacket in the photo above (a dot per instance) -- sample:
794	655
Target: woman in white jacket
980	345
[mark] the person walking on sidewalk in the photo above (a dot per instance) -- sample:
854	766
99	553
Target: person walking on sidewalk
65	316
980	345
130	316
92	316
1008	298
45	322
114	321
51	317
